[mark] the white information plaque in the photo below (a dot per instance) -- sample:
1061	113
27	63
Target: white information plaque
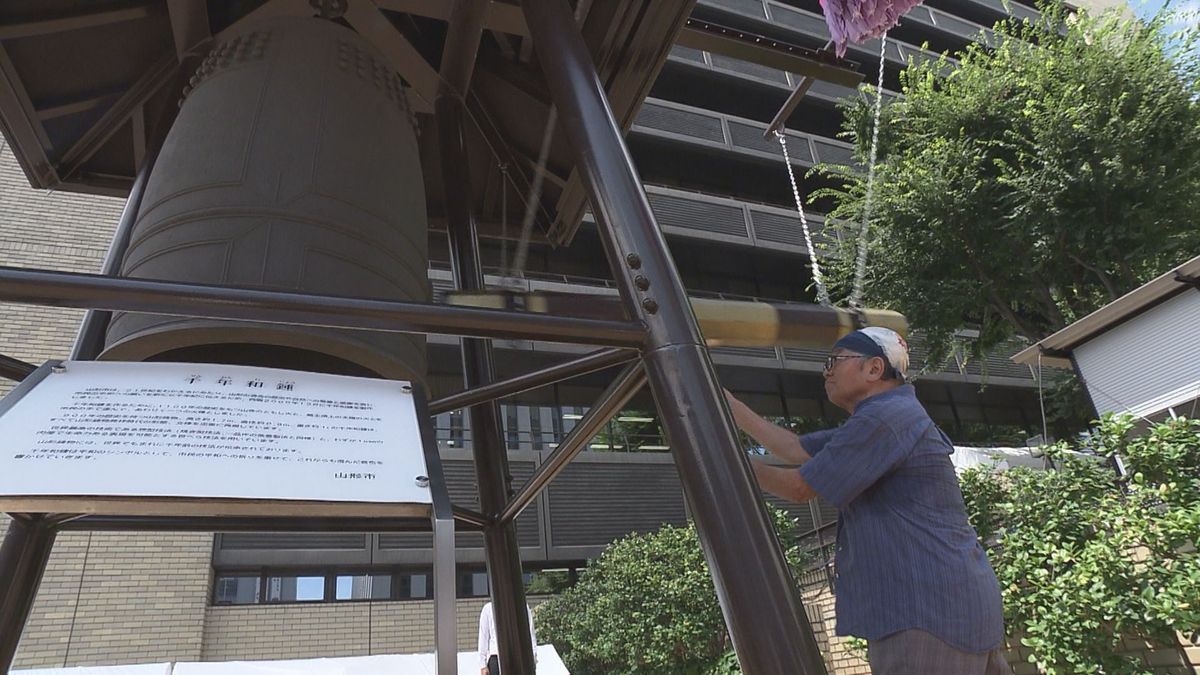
213	432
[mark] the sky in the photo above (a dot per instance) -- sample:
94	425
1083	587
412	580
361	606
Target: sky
1187	12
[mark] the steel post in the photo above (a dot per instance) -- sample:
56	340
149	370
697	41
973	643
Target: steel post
762	609
23	558
487	439
445	572
532	380
609	404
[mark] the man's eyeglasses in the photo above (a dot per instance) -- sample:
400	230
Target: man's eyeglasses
832	359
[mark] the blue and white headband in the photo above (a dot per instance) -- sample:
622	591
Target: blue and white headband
882	342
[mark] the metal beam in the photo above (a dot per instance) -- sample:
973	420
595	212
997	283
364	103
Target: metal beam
793	100
609	404
502	150
80	105
462	46
762	609
93	291
500	16
404	57
99	523
162	72
65	23
268	10
527	381
789	107
15	369
509	19
89	341
189	25
23	557
766	51
475	518
22	128
488	446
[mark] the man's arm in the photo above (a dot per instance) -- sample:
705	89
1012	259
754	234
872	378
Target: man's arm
777	440
783	482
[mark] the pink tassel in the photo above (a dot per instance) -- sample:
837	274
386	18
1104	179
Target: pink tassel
860	20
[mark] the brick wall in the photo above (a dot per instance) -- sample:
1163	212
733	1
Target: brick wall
139	598
299	631
54	230
840	659
1182	658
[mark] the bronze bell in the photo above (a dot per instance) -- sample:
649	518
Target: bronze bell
293	165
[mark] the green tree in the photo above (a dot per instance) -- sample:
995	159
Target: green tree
1084	560
647	606
1029	182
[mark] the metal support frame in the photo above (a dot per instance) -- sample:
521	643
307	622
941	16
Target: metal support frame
252	524
762	610
15	369
23	558
445	615
527	381
94	291
779	122
488	447
609	404
89	341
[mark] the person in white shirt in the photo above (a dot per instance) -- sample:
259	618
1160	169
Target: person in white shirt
489	651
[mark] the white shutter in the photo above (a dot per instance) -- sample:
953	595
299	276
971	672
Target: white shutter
1148	363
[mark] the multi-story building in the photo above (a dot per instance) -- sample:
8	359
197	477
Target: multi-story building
720	193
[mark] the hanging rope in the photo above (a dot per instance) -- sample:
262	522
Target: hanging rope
534	198
860	263
822	292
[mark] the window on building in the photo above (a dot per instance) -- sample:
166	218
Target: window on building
287	588
363	587
472	585
413	586
275	586
237	590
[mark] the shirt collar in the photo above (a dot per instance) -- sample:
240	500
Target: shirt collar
903	391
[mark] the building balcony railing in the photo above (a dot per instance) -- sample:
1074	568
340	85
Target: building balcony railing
738	134
812	25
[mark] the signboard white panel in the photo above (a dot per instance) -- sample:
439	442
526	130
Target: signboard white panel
213	431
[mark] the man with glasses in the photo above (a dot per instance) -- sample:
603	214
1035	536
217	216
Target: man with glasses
911	576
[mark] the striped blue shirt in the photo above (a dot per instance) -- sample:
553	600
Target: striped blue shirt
906	555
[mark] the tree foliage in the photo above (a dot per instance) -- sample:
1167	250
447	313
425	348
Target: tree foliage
647	606
1034	179
1085	560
